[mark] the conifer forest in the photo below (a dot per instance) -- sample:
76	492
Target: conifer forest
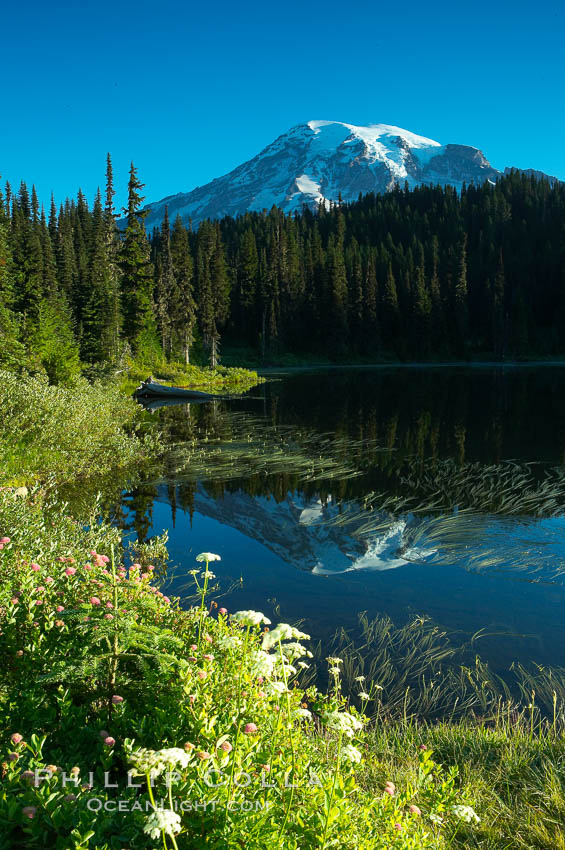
425	274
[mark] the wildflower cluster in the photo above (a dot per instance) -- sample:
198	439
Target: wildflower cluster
190	712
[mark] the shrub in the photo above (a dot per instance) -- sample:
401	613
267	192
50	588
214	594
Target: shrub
64	434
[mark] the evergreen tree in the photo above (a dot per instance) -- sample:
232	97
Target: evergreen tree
12	352
338	306
247	284
390	310
183	306
53	341
498	310
98	319
206	313
371	332
167	298
136	272
112	262
461	312
49	263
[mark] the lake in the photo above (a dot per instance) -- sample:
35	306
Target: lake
399	491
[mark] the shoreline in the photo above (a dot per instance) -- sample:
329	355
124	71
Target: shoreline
444	364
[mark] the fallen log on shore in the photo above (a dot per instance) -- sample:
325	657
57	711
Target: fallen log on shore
151	388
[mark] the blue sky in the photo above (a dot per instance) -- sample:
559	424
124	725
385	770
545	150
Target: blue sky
189	91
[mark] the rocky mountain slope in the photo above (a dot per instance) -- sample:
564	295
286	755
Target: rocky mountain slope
321	160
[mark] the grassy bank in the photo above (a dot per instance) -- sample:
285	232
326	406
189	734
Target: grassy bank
221	379
513	773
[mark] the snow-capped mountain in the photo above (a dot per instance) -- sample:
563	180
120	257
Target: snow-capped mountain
320	160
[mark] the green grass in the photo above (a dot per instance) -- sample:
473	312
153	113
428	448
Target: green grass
514	778
221	379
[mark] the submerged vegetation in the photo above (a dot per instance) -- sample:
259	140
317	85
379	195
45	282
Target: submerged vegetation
421	673
241	445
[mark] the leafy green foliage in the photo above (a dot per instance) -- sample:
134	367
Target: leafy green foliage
65	434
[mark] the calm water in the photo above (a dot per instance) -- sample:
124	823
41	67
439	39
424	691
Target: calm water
399	491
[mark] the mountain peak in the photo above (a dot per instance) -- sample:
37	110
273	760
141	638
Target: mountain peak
320	160
373	132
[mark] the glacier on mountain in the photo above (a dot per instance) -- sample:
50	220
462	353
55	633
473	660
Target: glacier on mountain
320	161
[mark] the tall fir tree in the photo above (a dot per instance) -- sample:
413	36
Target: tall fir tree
112	260
12	351
166	297
460	302
98	320
136	273
183	307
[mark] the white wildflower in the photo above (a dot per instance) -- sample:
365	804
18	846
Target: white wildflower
331	659
228	642
282	632
287	669
193	572
174	757
341	721
359	678
250	618
276	688
351	753
466	813
156	762
207	573
196	612
303	665
436	819
303	712
261	663
364	695
162	820
295	650
145	760
208	556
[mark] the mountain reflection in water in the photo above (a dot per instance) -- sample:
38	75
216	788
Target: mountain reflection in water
434	490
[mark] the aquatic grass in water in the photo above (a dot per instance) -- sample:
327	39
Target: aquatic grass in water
420	672
252	447
507	488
